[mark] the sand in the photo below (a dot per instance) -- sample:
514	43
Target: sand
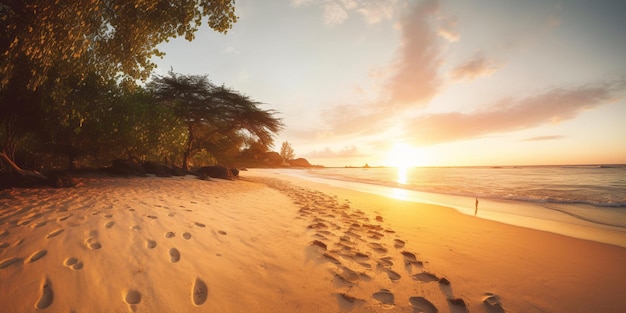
270	243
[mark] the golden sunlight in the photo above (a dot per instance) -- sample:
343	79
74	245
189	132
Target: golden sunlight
403	156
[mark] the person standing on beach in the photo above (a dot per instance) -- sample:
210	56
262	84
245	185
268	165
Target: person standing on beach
476	210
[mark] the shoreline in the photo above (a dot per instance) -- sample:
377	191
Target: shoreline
519	213
528	270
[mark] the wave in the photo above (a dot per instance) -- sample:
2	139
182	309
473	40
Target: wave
585	218
483	193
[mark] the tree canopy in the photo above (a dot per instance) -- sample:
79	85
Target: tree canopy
114	38
57	57
210	110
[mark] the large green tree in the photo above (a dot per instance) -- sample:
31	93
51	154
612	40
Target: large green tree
216	116
48	47
119	37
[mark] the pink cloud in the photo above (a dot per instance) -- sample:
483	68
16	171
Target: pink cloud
415	79
474	68
412	80
552	106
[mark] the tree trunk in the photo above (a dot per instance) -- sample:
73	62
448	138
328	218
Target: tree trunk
29	176
187	154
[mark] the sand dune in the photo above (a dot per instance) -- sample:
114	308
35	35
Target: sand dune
272	244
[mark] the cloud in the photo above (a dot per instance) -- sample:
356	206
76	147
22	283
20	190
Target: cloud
376	11
416	79
337	11
474	68
411	80
543	138
552	106
334	14
346	152
447	29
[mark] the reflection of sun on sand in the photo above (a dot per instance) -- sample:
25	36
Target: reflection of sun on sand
185	245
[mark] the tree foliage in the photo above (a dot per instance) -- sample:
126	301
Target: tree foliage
286	151
215	115
112	37
59	59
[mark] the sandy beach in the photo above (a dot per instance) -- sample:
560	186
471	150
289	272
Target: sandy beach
272	243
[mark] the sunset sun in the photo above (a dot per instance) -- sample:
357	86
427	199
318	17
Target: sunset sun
404	156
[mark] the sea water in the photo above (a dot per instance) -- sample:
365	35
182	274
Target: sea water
592	196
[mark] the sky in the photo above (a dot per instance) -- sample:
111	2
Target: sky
428	82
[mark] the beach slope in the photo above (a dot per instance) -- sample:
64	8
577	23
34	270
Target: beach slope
268	243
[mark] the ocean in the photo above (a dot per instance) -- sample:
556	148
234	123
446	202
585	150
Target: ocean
593	196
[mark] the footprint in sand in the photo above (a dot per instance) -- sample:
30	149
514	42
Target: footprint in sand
199	224
397	243
384	296
221	232
187	235
136	228
39	224
331	258
54	233
150	244
319	244
492	301
152	217
108	215
385	262
349	298
348	275
170	234
377	247
420	304
425	277
4	232
4	245
45	300
36	256
132	297
73	263
63	218
174	255
93	243
392	274
8	262
109	224
199	292
409	258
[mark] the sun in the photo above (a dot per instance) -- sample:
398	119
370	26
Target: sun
403	155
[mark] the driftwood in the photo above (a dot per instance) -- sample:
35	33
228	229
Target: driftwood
23	178
29	177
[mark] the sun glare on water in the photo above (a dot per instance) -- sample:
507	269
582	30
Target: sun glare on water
403	157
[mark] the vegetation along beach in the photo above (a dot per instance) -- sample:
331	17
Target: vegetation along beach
312	156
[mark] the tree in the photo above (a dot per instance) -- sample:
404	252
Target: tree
213	113
48	47
286	151
115	36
